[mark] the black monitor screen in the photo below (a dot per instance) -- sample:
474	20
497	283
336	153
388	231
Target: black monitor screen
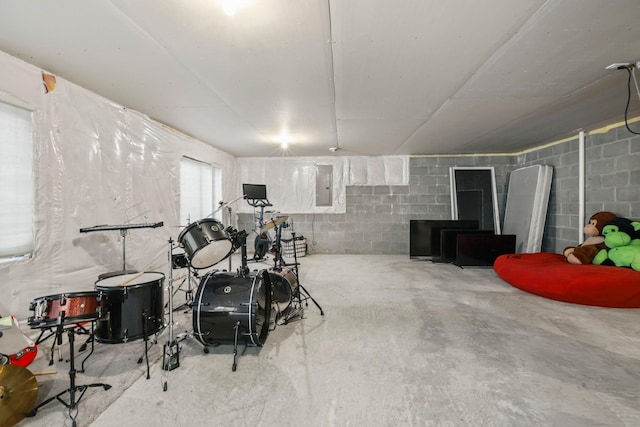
424	235
254	191
483	249
449	241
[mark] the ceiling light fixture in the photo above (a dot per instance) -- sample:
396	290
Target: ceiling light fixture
231	7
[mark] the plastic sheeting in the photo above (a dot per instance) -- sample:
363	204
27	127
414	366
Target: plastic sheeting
96	163
290	181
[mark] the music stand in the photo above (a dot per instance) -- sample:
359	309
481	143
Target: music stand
124	229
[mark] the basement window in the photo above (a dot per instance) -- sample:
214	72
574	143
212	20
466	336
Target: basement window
16	176
200	186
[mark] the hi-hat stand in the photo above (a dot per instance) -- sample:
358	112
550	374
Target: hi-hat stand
301	296
171	350
72	405
262	240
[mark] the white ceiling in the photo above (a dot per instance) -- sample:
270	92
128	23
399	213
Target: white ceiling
374	77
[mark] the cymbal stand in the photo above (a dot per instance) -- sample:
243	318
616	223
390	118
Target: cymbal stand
72	405
239	240
278	261
263	239
301	295
171	350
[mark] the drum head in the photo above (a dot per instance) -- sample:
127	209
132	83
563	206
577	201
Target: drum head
211	254
129	279
224	302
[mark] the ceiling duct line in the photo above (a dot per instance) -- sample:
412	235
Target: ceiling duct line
333	79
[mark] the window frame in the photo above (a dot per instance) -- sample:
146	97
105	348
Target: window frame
19	176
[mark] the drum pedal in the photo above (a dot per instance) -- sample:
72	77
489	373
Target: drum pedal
171	356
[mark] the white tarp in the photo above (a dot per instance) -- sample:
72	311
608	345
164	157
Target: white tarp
96	163
290	181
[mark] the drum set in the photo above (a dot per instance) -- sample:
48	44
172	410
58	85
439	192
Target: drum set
125	306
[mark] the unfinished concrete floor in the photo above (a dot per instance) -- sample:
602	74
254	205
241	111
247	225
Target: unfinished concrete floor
402	343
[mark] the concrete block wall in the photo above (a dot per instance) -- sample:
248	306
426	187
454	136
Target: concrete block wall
377	218
561	223
375	222
612	182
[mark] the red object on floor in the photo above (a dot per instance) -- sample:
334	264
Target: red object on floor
16	346
551	276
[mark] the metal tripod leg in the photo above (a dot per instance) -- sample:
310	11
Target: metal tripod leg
308	296
235	346
72	405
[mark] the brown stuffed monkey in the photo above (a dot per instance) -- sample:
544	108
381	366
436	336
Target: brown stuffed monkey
584	253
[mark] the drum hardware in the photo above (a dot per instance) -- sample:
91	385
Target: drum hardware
171	350
262	241
274	223
227	205
124	229
223	205
81	330
279	223
239	241
18	393
180	261
74	309
72	404
300	295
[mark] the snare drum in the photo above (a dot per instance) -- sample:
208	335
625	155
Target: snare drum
205	242
223	301
134	306
72	307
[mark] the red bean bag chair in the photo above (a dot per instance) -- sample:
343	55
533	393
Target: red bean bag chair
550	275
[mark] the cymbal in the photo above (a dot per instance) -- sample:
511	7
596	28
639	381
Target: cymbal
18	392
274	223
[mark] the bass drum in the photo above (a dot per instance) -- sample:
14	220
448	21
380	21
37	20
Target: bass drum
224	301
284	285
134	304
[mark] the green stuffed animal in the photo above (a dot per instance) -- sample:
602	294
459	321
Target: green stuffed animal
622	241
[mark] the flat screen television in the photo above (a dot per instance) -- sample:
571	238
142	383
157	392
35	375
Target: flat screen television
482	250
424	235
254	191
449	241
